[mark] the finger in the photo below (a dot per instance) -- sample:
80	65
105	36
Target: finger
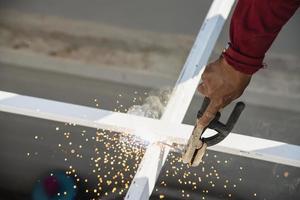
209	114
228	99
202	89
226	102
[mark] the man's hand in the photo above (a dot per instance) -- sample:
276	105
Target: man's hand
222	84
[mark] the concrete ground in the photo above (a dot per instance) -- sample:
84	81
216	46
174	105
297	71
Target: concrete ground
262	179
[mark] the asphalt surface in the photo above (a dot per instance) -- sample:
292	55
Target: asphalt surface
261	180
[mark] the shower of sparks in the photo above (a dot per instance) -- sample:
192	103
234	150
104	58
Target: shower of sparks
113	158
195	183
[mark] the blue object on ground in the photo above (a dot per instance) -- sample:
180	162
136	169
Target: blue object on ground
56	186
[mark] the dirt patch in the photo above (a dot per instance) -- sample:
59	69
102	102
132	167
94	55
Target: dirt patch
146	52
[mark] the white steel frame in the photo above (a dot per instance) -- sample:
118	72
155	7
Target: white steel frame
169	129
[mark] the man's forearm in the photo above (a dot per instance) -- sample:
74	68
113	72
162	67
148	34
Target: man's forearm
254	26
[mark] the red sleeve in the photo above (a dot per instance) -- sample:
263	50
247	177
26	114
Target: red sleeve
254	26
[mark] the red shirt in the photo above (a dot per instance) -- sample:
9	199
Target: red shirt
254	26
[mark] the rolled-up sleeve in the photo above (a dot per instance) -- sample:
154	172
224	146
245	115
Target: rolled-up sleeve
254	26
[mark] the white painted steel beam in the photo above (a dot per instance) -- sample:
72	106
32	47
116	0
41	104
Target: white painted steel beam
145	128
190	76
184	90
149	169
236	144
261	149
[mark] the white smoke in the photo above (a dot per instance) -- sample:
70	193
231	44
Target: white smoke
153	106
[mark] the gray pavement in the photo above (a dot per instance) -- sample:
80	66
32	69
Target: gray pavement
261	178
